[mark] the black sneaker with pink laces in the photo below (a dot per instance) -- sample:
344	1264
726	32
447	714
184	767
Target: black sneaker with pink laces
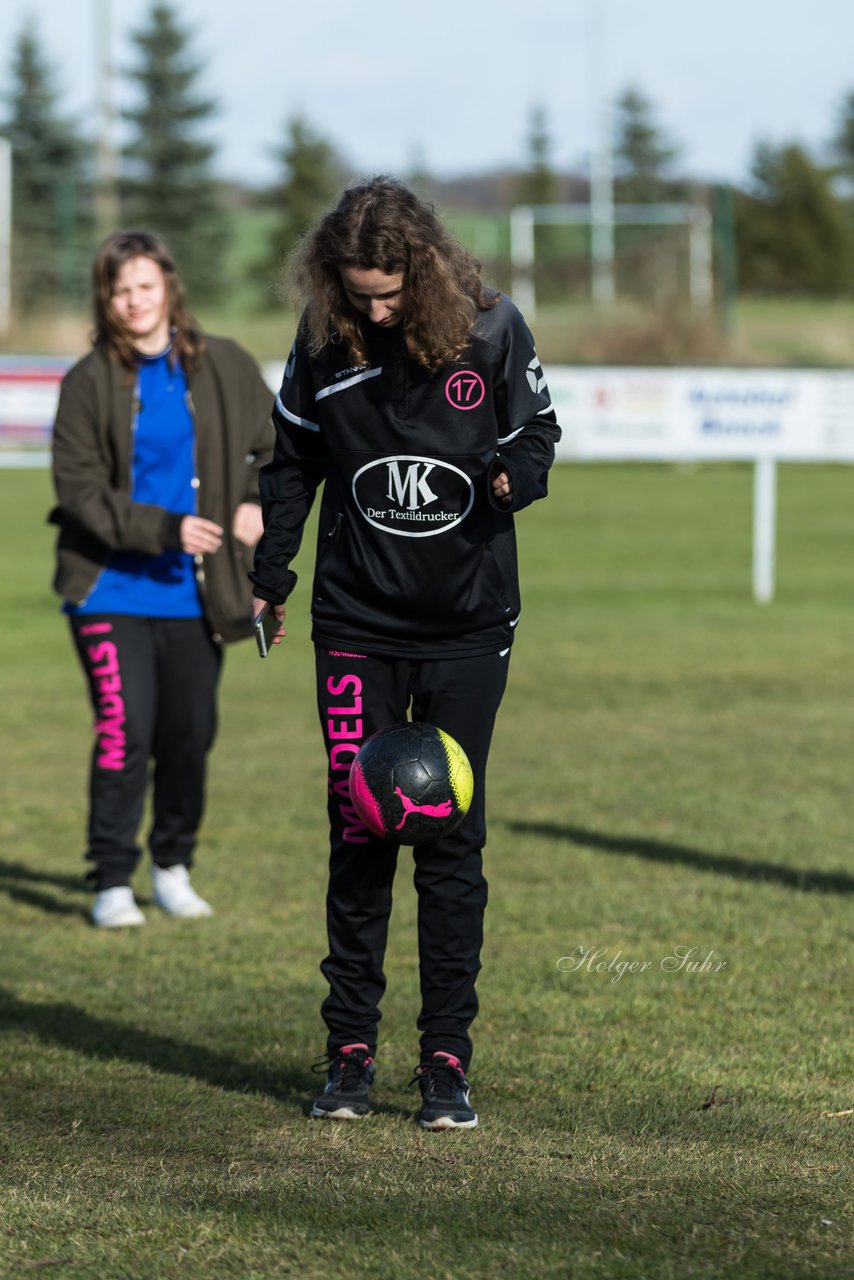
347	1095
444	1094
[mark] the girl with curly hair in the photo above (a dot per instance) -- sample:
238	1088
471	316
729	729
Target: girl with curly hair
413	395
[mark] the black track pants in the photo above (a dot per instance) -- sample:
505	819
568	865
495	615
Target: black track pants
153	684
357	695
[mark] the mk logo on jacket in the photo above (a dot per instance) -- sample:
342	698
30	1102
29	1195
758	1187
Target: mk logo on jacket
411	496
406	489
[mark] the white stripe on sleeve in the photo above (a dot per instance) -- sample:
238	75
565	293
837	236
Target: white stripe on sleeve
292	417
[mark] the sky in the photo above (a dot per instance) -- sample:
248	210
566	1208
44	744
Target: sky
450	85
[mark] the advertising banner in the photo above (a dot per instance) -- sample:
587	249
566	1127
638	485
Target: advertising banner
607	414
29	391
704	414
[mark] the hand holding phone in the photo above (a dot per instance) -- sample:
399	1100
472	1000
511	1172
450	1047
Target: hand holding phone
267	627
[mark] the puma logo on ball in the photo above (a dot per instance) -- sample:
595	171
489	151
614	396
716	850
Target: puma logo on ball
442	810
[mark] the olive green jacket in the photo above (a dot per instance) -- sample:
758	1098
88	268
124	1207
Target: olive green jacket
92	466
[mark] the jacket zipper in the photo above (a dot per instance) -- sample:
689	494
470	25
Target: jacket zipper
134	427
198	561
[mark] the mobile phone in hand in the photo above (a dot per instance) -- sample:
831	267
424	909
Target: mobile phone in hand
266	626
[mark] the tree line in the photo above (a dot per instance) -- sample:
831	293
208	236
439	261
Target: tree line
166	182
792	221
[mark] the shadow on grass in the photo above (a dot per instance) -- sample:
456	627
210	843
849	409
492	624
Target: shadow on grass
16	881
663	851
68	1027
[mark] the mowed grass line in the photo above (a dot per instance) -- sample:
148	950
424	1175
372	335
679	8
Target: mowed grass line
763	332
671	771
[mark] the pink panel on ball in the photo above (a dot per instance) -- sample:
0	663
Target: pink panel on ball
364	803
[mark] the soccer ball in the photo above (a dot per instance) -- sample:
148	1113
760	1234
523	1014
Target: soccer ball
411	783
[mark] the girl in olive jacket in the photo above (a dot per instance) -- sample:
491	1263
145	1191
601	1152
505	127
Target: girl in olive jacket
159	437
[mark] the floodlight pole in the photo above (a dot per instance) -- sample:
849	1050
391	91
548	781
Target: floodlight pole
5	235
601	163
522	258
106	200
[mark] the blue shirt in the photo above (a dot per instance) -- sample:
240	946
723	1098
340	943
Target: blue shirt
163	471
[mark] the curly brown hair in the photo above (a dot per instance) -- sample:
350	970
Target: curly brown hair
381	225
109	334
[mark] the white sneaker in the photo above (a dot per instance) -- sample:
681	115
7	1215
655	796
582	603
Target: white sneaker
116	908
174	893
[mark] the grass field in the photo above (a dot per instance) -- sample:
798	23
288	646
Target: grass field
672	770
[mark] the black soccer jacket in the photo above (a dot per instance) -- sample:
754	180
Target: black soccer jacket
414	557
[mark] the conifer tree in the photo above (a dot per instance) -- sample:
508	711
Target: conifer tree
169	186
643	154
311	176
792	232
538	183
418	176
843	143
51	196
